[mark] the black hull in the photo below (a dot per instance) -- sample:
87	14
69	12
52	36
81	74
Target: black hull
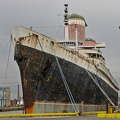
41	79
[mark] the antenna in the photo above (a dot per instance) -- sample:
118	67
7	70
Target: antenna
18	99
66	14
18	91
66	21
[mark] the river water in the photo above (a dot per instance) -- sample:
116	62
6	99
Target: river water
13	112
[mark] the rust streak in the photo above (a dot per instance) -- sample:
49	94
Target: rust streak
29	110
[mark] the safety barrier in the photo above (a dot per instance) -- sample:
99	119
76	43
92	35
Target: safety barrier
113	115
38	115
94	112
101	113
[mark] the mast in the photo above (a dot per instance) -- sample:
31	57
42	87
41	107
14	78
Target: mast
76	34
66	21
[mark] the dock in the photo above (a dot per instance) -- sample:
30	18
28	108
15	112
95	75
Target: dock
11	108
86	117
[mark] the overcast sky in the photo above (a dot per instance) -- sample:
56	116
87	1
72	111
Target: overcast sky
102	17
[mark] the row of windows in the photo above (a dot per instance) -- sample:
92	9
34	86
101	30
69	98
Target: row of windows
70	43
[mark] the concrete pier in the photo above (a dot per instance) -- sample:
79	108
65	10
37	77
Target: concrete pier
86	117
14	108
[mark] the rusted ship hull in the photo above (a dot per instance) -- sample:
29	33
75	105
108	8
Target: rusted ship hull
41	80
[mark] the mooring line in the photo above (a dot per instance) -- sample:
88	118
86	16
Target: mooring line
102	90
66	85
7	63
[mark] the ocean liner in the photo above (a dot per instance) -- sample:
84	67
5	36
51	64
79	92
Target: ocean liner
43	86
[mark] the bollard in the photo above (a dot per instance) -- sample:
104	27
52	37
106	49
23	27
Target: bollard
107	106
110	110
82	108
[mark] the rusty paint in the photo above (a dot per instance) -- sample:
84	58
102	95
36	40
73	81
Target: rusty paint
43	80
29	110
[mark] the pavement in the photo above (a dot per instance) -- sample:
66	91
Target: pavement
85	117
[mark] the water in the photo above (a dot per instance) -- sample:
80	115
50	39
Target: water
13	112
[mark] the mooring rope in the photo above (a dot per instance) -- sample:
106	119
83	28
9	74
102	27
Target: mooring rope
102	89
66	85
7	64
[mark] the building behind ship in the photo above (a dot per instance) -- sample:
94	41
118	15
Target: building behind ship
4	96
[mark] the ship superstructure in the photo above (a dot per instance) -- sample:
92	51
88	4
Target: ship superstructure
43	88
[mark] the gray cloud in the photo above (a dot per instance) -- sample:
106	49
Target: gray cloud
102	17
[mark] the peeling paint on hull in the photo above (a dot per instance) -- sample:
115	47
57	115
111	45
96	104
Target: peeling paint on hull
42	81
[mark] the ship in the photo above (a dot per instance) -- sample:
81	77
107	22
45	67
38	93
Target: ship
43	61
